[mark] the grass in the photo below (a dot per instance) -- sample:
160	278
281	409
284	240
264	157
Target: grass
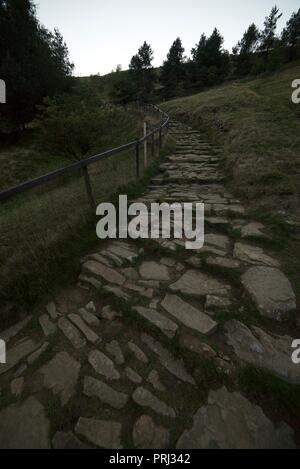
6	398
54	412
25	156
259	128
282	400
45	233
21	161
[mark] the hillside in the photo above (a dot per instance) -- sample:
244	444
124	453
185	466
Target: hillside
26	157
259	129
103	83
55	222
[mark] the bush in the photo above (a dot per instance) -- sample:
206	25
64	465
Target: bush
71	127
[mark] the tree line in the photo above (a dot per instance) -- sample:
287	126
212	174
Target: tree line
209	64
34	63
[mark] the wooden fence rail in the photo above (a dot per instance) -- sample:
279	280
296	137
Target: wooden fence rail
83	165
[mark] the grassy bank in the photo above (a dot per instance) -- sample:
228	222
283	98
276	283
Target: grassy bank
27	156
44	233
259	128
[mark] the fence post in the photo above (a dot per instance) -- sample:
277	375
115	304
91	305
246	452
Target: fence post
89	188
145	146
153	146
137	159
160	139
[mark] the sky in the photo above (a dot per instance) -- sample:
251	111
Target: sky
101	34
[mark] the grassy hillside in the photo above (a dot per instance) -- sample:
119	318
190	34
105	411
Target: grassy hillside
259	128
28	157
21	161
103	84
44	232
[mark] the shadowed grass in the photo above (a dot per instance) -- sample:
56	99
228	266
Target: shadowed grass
259	128
43	235
280	398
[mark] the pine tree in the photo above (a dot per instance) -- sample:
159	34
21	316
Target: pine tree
291	33
248	43
172	72
210	63
198	52
34	62
268	35
146	55
136	64
213	49
244	50
60	54
142	73
208	52
122	91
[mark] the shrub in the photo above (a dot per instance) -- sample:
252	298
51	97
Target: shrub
71	127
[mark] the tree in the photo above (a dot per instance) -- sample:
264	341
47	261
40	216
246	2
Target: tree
142	73
72	127
249	42
175	56
213	49
291	33
60	54
244	50
291	36
146	55
270	54
122	91
172	72
210	62
268	35
136	64
34	63
199	51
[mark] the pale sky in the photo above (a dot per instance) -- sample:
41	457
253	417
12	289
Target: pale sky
102	34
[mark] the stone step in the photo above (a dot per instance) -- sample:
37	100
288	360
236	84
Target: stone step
158	320
173	366
71	333
189	316
90	335
106	394
103	365
145	398
234	423
102	433
17	354
13	331
121	372
270	352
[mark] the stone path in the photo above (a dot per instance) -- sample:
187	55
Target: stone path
147	349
